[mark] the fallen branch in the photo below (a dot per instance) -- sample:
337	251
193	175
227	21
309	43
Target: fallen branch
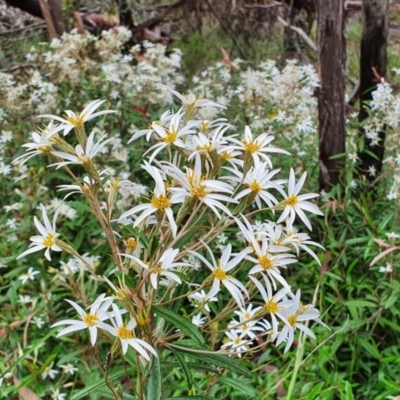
24	28
300	32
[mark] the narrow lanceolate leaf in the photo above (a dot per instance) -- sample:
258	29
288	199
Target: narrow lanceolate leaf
85	393
219	360
191	232
183	364
154	382
181	323
247	390
191	398
106	393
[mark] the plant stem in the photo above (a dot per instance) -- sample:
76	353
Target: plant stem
297	364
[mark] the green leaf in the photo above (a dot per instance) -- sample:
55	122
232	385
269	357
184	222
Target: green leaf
184	366
181	323
191	232
179	291
360	303
315	392
130	357
371	349
191	398
85	393
389	323
238	385
131	231
34	346
154	382
81	207
191	365
106	392
219	360
357	240
348	391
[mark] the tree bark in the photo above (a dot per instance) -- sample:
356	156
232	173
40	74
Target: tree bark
373	65
125	14
57	15
331	96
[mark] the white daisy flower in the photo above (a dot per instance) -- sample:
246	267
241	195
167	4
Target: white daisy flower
47	240
195	186
91	320
48	372
126	334
29	275
220	271
295	204
82	156
159	203
73	120
274	304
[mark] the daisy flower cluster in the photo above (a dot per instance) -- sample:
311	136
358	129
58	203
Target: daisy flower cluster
385	114
277	100
81	60
205	185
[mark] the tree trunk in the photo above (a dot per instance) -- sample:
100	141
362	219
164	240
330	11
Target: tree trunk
331	96
125	14
373	65
57	15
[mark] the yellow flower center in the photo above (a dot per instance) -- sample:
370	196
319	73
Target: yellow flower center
198	192
271	306
219	273
170	137
49	240
115	183
292	200
255	187
265	262
124	333
292	319
161	203
206	147
251	147
204	127
84	159
237	341
90	319
225	156
190	106
142	318
157	270
77	120
45	149
130	243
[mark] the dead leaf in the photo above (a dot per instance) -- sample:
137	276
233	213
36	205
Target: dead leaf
383	255
25	392
226	60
